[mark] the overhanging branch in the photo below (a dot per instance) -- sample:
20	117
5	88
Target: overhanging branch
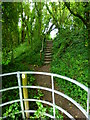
50	29
75	14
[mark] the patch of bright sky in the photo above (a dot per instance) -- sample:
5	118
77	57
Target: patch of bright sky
19	23
53	33
31	6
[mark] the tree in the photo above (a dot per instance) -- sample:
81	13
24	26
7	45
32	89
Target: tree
84	15
10	17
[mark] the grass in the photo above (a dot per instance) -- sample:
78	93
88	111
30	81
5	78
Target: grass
24	56
21	49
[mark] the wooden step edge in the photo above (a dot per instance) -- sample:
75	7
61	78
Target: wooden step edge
46	62
48	47
47	51
48	56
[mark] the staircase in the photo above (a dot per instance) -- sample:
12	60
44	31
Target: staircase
48	52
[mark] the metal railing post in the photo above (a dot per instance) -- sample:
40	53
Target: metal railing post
88	103
53	97
20	94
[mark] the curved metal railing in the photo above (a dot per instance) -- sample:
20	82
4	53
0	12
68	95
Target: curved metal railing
52	90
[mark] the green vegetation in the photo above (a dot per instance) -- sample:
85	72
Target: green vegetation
70	58
57	114
40	113
14	108
25	25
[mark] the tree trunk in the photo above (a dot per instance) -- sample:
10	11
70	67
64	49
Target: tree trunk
28	31
12	56
22	34
22	39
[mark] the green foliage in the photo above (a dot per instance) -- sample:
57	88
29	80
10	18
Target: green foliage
57	114
21	47
72	62
40	111
31	81
15	35
23	56
10	17
11	110
39	95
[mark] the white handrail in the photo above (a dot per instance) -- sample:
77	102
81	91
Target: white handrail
30	111
10	88
59	76
48	103
50	74
10	115
10	102
61	94
53	96
6	74
33	111
20	94
48	89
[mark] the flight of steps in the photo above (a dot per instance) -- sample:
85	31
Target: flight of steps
48	52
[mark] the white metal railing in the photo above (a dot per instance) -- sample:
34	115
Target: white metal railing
21	100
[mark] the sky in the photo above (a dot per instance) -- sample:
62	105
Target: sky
52	34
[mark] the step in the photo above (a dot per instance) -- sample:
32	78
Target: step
47	51
48	48
47	54
46	62
47	59
49	41
47	44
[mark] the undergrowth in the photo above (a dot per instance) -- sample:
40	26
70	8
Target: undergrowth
70	58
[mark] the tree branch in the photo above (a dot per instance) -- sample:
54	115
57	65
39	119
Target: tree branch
75	14
50	29
56	22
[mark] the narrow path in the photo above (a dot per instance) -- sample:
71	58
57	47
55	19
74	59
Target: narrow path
45	81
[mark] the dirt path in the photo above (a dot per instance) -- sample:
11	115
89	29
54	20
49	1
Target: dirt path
45	81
